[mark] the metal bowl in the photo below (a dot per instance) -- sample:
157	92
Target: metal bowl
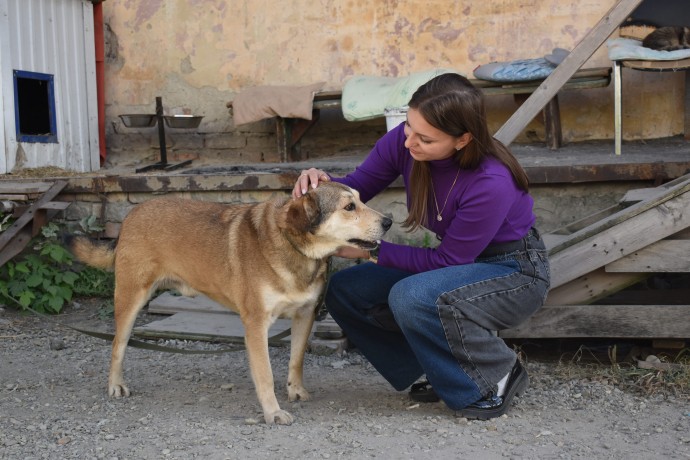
183	121
138	120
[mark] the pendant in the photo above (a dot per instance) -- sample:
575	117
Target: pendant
439	218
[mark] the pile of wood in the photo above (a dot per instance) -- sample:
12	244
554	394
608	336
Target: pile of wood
31	203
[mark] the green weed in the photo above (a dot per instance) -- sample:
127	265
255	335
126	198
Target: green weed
44	278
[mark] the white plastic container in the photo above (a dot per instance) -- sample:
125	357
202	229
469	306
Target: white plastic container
395	116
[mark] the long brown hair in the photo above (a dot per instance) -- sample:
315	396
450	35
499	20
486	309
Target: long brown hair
450	103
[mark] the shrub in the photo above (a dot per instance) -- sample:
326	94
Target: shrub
44	278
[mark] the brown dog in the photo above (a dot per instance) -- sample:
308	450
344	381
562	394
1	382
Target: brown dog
263	260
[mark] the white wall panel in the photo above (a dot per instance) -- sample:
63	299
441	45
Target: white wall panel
53	37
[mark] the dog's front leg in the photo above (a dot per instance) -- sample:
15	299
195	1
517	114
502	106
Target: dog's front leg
256	341
302	323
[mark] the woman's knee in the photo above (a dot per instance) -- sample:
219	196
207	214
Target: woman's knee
404	301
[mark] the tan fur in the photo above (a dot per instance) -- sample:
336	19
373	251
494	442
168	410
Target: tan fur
263	261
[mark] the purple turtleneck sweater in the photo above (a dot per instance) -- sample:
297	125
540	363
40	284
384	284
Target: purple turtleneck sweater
485	206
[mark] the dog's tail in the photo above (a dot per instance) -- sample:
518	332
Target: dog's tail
99	254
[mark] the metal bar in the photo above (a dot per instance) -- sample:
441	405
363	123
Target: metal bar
161	130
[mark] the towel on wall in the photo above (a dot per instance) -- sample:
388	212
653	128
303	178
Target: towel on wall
367	97
257	103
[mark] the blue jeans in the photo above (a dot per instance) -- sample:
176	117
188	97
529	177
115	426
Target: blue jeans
441	323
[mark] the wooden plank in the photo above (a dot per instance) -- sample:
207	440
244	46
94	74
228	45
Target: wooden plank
14	197
623	321
651	194
56	205
621	234
552	124
665	256
555	81
20	239
579	224
19	188
204	326
533	86
28	215
640	194
591	287
169	304
610	244
680	64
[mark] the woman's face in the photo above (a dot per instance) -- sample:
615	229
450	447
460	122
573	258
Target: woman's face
427	143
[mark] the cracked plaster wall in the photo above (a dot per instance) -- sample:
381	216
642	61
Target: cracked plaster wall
198	54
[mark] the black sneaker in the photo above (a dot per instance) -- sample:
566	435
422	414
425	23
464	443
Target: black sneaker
423	392
495	406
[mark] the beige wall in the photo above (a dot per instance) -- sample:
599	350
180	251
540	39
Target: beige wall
197	54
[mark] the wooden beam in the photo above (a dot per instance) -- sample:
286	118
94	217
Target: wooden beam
665	256
591	287
621	234
629	236
19	234
555	81
16	187
631	321
28	215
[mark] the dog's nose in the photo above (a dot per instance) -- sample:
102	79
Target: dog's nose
386	223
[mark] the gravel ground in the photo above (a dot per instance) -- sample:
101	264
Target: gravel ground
53	404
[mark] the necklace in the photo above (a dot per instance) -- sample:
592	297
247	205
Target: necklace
440	211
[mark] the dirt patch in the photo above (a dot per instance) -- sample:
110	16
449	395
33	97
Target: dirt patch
54	405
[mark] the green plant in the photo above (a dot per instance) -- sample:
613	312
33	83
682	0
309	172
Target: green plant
90	225
5	221
44	278
93	282
41	279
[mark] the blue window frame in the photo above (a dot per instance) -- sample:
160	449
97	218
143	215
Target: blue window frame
34	107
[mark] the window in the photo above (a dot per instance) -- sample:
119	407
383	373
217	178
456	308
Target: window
34	101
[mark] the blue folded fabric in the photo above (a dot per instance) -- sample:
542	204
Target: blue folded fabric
519	70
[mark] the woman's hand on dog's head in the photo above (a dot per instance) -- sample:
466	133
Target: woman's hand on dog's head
307	177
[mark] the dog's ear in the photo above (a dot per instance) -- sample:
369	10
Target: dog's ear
304	213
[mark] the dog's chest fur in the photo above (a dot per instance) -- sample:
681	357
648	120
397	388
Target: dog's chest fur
286	304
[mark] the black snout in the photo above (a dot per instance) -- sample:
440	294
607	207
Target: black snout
386	223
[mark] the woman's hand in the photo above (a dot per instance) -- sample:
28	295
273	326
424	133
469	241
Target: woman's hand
306	178
351	252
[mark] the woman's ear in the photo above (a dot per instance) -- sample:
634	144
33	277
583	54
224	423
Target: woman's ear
463	141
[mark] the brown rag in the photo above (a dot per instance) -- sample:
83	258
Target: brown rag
254	104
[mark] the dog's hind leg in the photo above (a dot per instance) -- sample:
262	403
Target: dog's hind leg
129	300
302	323
256	341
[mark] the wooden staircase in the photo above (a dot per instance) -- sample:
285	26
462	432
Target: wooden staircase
647	233
30	219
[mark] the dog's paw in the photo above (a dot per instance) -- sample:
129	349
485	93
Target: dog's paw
118	390
279	417
298	394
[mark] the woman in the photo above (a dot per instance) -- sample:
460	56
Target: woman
434	311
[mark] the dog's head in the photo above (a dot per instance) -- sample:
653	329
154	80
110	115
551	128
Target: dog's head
332	216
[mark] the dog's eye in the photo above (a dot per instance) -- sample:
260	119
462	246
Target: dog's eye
350	207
